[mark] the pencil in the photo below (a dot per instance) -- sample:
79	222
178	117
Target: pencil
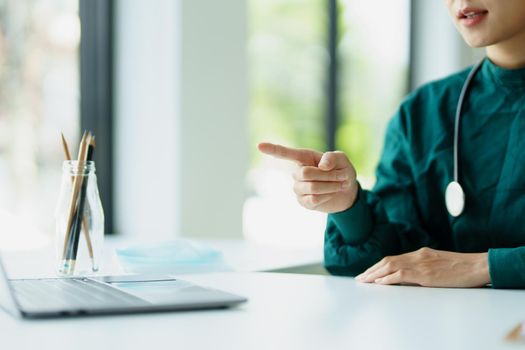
516	334
71	210
84	221
69	238
66	148
88	155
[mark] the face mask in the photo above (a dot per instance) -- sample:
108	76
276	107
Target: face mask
178	256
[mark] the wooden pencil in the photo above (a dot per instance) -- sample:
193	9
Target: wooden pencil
76	227
84	221
66	148
516	334
71	210
74	197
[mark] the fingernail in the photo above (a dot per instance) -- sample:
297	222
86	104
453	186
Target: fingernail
341	177
378	280
359	277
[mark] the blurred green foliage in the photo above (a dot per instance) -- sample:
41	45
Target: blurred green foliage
288	65
287	58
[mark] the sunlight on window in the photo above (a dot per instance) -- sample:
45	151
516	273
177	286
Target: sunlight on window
374	55
287	58
39	98
288	65
273	216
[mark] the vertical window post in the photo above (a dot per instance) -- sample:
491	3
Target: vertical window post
96	91
411	83
332	112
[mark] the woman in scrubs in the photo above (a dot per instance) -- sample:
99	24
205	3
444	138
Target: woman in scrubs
400	232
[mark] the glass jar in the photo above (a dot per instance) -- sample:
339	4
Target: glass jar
79	221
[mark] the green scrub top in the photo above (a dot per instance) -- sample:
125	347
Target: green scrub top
406	208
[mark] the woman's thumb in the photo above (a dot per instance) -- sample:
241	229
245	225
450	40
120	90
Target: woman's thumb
327	161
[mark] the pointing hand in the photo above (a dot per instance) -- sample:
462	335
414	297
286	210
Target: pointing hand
324	182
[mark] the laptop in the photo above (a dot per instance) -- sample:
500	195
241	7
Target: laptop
105	295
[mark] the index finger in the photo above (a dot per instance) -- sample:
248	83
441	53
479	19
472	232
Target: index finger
302	156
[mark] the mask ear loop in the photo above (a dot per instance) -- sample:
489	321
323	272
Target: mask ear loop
454	195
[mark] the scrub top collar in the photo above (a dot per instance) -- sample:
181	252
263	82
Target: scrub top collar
509	78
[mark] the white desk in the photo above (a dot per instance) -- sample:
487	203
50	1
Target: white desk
238	255
287	311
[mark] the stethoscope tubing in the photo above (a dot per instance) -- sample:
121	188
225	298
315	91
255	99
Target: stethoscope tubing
454	193
459	110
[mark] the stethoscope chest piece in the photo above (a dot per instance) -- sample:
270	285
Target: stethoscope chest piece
455	198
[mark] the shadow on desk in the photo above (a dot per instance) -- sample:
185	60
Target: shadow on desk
312	269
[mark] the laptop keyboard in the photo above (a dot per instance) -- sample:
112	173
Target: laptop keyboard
70	293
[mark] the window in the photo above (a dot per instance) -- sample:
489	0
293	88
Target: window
374	59
289	58
39	97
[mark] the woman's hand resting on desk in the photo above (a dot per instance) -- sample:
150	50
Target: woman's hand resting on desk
324	182
431	268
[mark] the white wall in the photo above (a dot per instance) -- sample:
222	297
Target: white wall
214	124
438	49
181	125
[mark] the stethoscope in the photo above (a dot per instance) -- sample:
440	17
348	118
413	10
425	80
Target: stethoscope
454	194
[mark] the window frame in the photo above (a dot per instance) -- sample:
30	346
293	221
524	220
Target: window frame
96	92
332	88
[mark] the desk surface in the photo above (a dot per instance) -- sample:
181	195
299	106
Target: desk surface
287	311
238	254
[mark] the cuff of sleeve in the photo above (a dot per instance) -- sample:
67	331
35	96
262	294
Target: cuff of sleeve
505	268
355	223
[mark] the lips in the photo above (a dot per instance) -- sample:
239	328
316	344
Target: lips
470	16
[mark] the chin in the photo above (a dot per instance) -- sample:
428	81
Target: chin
477	41
476	44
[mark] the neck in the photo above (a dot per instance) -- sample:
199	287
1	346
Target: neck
508	54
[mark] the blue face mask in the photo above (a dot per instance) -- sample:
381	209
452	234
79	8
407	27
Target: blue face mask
178	256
